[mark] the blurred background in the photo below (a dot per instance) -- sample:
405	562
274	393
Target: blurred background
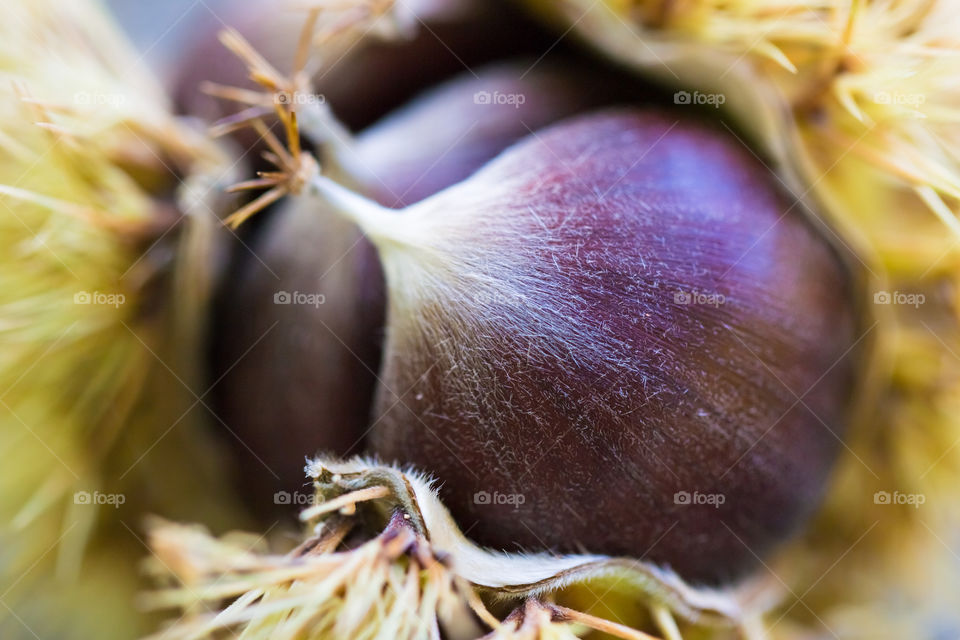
161	29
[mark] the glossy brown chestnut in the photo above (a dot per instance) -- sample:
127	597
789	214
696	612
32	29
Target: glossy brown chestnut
297	373
619	336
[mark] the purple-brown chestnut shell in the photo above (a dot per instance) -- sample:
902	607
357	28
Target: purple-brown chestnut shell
620	336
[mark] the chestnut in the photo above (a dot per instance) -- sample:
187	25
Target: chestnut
300	317
619	336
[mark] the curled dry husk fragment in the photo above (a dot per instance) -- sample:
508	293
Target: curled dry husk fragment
384	559
102	282
854	106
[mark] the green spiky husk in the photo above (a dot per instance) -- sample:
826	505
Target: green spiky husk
96	394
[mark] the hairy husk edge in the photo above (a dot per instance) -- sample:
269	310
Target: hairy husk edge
384	559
